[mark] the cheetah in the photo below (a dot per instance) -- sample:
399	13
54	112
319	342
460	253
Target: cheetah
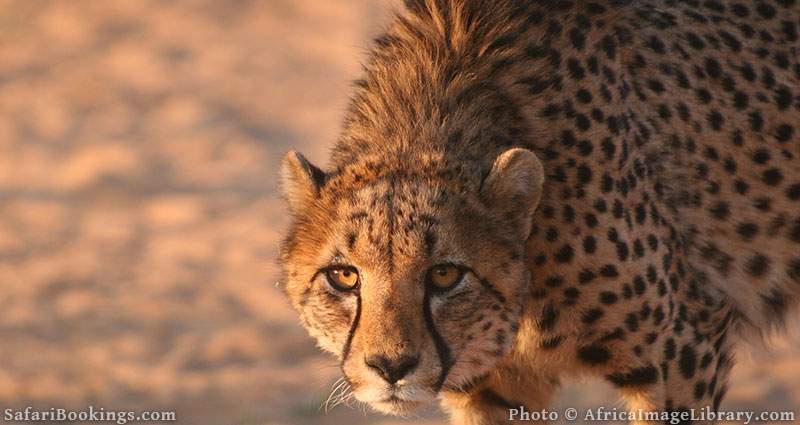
528	190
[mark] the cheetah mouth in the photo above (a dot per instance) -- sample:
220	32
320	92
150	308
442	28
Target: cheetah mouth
396	400
396	405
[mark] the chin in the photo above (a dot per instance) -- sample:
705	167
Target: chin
395	406
399	401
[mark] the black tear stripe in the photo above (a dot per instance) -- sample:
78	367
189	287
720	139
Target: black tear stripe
353	327
442	350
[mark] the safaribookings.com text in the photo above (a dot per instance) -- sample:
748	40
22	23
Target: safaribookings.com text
89	414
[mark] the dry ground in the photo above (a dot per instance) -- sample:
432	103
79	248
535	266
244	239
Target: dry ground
139	142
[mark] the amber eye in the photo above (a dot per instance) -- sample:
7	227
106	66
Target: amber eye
342	278
445	276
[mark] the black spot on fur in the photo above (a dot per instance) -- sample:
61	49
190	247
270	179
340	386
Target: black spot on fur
586	276
492	398
687	362
608	297
747	230
594	355
772	176
589	244
635	377
669	346
548	317
757	266
591	316
793	269
700	390
609	270
564	254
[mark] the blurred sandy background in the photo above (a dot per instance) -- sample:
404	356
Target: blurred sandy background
139	144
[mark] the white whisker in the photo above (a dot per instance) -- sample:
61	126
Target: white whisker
337	385
345	396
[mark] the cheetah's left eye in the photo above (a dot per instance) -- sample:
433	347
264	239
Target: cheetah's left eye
342	278
445	276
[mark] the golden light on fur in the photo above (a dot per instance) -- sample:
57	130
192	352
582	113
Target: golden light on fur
300	180
445	276
342	277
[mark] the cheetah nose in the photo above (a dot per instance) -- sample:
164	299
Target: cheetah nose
392	370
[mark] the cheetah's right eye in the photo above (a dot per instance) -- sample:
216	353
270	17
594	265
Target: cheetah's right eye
342	278
445	276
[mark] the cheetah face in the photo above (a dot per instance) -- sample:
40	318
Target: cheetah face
414	284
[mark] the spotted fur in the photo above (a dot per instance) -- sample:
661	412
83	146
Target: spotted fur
619	182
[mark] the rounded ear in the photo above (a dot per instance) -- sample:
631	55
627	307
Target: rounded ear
301	181
514	186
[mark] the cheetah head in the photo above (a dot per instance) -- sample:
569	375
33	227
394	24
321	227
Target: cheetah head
413	278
